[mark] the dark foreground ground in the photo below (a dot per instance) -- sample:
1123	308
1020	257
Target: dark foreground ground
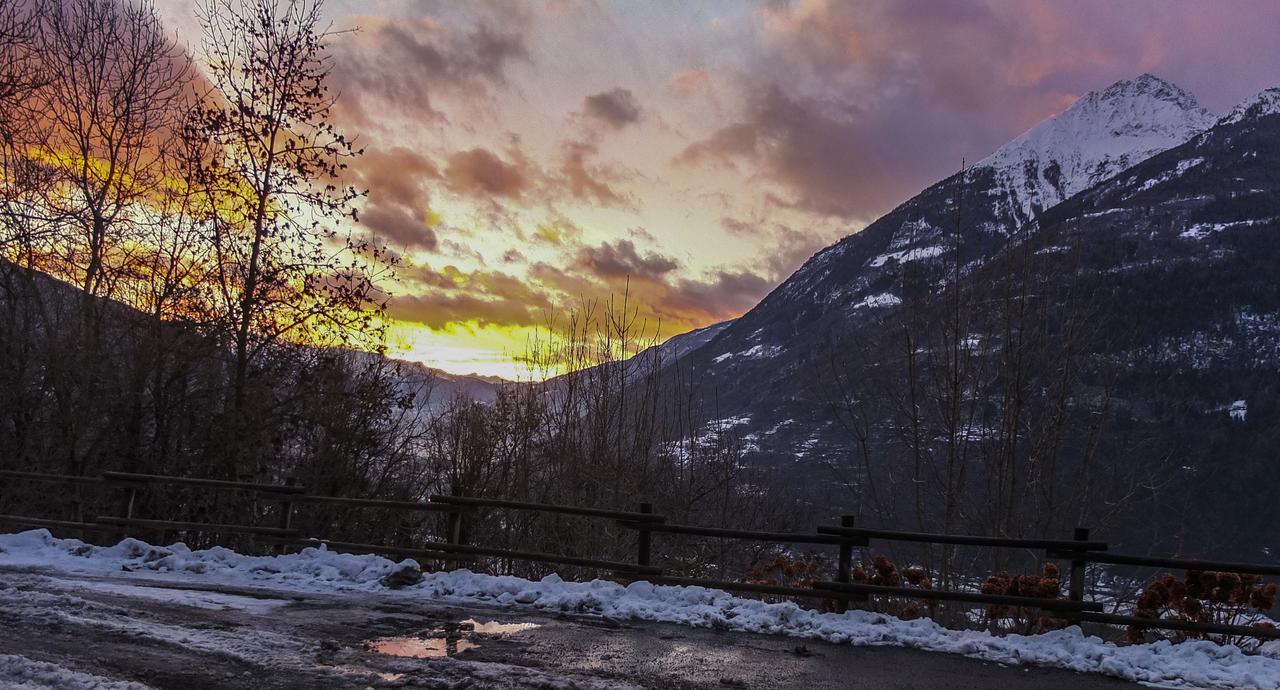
167	636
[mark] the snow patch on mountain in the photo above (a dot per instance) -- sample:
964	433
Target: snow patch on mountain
1181	169
753	352
1238	410
1200	231
883	299
903	256
1098	136
1258	105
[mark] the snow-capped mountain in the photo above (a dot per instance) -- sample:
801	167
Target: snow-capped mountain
1099	135
1163	214
1260	104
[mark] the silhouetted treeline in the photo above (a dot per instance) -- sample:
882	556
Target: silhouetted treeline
185	290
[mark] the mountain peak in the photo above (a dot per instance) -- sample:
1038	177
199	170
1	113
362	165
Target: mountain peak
1260	104
1149	85
1096	137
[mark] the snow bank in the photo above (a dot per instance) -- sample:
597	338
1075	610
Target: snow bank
21	673
1186	665
308	570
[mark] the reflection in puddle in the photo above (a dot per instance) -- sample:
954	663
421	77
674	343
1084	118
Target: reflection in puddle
496	628
447	640
420	648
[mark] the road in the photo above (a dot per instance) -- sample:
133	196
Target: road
164	635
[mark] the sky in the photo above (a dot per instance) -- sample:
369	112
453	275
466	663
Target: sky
528	157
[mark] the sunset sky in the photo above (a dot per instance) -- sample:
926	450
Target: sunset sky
524	156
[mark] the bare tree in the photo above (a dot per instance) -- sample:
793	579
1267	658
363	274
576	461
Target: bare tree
285	273
111	96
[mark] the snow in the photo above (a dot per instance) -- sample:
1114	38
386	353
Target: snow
1195	664
1238	410
906	255
21	673
883	299
205	600
1200	231
1182	167
754	352
1097	137
1258	105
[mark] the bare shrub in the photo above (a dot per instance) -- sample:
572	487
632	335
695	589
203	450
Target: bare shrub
1218	598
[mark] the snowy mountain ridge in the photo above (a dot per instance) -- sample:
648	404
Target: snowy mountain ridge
1098	136
1260	104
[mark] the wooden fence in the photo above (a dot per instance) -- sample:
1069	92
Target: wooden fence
1076	552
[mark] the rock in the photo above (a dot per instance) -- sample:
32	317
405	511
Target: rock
405	575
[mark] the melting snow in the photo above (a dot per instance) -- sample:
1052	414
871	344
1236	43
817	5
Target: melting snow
754	352
884	299
1200	231
1182	168
1196	664
906	255
1238	410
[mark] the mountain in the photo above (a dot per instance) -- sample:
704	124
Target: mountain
1100	135
846	282
434	389
1164	216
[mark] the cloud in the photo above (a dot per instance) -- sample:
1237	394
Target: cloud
689	83
617	108
586	181
622	259
450	297
398	205
479	171
850	108
401	66
738	139
725	294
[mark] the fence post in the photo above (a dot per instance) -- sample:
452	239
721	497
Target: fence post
456	534
286	505
643	536
1076	585
845	568
455	526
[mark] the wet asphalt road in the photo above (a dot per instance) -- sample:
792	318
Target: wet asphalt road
168	636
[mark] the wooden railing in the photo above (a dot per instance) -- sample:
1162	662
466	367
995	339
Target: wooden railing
1077	552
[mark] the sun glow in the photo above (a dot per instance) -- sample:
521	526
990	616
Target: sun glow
467	348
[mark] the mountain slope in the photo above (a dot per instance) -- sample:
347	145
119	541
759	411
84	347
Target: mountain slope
767	357
1171	258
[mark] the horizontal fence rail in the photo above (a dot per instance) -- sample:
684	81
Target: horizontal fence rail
1078	551
966	540
380	503
43	522
135	479
1176	563
547	508
196	526
444	551
753	535
56	478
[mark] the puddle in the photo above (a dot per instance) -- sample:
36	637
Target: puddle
420	648
446	640
496	628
